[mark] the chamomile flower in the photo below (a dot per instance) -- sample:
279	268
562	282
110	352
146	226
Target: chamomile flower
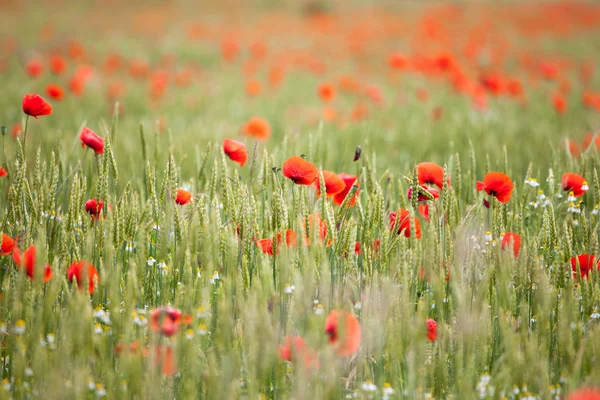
19	328
202	329
585	186
130	246
532	182
288	289
369	386
163	267
388	390
151	261
595	314
215	277
319	309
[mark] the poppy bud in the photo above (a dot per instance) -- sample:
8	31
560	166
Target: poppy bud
3	129
357	153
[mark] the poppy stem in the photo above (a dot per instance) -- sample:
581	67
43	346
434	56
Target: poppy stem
25	133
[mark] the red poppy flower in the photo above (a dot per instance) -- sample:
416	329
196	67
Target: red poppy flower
257	127
403	225
58	64
94	208
3	172
266	245
165	359
326	92
27	260
423	210
295	350
54	91
511	239
7	246
35	106
349	181
34	68
300	171
253	87
333	184
81	270
575	183
166	320
90	139
422	197
398	61
16	130
430	173
183	197
586	264
585	394
344	332
497	184
431	329
236	151
357	250
315	220
559	103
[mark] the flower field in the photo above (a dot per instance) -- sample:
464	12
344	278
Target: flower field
299	199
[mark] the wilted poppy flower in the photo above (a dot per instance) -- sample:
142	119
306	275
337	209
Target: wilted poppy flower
431	329
54	91
27	260
403	224
326	92
94	208
236	151
58	64
257	127
586	264
166	320
183	197
300	171
81	270
497	184
3	172
344	332
585	394
575	183
333	184
430	173
34	68
349	181
295	350
511	239
35	106
7	246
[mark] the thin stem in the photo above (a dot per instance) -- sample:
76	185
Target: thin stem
25	134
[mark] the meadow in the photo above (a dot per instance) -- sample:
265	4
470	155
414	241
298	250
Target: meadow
292	200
